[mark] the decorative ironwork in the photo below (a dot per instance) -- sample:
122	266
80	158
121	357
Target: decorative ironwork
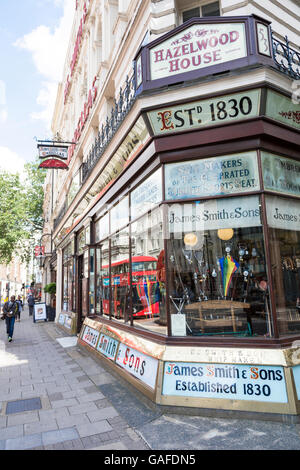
120	109
286	58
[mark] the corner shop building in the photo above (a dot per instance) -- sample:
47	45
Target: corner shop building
182	271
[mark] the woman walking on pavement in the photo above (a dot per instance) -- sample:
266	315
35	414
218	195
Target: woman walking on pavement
20	305
10	310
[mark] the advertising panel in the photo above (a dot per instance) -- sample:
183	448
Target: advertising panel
108	346
212	176
206	112
283	213
225	381
280	174
40	312
138	364
196	47
214	214
90	336
283	109
147	194
296	374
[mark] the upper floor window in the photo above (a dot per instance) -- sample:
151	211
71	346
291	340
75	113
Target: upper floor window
189	10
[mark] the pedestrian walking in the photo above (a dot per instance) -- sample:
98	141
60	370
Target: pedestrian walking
10	311
20	305
31	302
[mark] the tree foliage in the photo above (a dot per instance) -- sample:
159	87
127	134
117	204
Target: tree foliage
21	211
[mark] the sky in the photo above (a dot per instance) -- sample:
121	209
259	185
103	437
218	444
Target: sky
34	36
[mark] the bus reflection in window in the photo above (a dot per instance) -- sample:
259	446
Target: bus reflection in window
145	289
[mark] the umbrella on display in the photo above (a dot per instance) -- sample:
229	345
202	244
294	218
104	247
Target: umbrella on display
228	267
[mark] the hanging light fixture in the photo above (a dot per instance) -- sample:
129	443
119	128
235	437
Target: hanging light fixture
225	233
190	239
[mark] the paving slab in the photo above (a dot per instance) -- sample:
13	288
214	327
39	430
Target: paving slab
99	427
59	436
24	443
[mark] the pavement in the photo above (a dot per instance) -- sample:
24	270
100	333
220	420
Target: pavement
55	396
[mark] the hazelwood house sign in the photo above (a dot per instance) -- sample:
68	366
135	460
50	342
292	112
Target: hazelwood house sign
197	47
203	46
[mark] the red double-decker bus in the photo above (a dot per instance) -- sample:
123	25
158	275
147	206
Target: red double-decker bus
145	288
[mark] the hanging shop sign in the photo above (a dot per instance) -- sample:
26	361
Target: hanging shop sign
283	213
204	113
108	346
280	174
147	194
90	336
53	156
225	381
203	46
283	109
138	364
228	174
53	151
39	251
213	215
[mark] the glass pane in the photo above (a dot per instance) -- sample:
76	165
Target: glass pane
102	228
147	195
120	276
104	285
188	14
119	215
284	222
74	285
81	242
92	282
65	288
70	284
216	269
148	273
212	9
98	282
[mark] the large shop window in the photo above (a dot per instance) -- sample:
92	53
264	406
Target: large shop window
284	228
68	279
102	279
148	273
216	268
120	275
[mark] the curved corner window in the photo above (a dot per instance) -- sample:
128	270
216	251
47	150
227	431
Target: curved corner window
283	216
216	269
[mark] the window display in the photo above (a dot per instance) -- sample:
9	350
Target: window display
102	279
120	276
148	273
284	221
68	279
216	268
